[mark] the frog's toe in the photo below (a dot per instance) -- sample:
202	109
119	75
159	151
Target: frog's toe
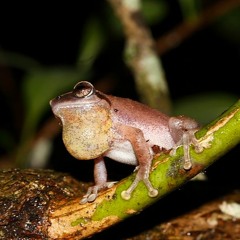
92	192
187	165
91	195
125	195
153	192
84	200
110	184
90	198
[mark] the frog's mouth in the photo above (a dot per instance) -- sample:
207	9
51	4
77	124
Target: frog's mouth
68	101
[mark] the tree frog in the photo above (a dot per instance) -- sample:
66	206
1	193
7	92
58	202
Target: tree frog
97	125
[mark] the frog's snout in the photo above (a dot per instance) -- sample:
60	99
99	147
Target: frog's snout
53	104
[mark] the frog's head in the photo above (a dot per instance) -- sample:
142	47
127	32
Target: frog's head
85	116
83	96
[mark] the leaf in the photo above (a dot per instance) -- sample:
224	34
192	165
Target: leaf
228	26
17	60
7	141
154	11
92	41
190	9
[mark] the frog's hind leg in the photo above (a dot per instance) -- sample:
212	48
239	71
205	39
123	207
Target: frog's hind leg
182	130
144	157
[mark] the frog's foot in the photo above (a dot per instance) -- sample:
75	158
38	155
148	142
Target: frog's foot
204	143
152	192
92	192
187	139
187	164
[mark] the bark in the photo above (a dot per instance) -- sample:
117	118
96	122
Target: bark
141	55
208	221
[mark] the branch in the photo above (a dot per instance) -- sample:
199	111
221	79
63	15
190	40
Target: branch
81	221
176	36
141	56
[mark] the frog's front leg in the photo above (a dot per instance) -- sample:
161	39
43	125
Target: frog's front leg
144	157
100	178
182	130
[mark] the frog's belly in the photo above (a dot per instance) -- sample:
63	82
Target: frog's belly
122	151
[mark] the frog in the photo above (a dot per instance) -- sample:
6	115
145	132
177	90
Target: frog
96	126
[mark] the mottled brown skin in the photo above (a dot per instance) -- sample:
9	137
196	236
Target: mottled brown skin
96	125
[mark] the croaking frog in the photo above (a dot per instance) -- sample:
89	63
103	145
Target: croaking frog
97	125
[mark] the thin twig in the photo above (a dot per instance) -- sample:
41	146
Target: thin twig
176	36
141	56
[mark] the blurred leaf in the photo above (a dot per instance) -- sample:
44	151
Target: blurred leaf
154	10
229	25
17	60
93	40
7	142
190	9
113	25
40	86
204	107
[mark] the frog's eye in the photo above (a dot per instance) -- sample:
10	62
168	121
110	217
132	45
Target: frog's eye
83	89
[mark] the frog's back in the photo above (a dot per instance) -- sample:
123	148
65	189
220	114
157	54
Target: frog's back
152	122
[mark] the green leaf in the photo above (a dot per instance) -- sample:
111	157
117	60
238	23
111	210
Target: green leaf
93	40
17	60
229	25
154	11
7	142
190	8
